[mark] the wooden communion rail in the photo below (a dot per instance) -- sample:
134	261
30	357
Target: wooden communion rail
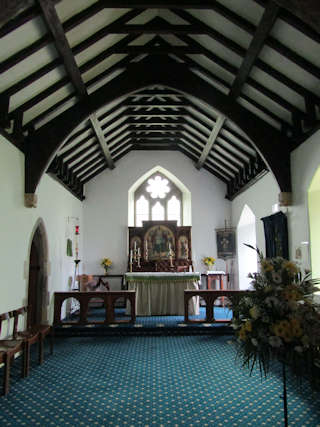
84	298
210	296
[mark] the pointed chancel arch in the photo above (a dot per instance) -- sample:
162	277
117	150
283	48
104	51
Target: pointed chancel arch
43	144
314	223
186	194
247	257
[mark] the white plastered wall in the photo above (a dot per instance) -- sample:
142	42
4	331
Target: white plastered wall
17	224
106	208
305	161
260	198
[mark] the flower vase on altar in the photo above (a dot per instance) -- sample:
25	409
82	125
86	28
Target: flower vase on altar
208	261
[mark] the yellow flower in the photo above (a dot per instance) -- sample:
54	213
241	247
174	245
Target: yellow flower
248	326
297	332
295	323
296	329
242	333
208	260
282	329
290	267
266	266
106	262
287	336
291	294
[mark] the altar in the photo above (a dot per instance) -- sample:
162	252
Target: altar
163	293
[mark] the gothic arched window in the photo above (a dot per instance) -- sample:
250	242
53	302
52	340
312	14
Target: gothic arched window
156	199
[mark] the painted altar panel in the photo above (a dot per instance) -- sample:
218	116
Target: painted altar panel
160	246
159	240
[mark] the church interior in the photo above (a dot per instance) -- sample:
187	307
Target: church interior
146	149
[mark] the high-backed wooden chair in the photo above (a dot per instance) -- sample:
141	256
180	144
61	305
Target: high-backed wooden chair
32	335
8	348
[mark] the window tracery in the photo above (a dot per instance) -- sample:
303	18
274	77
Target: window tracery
157	199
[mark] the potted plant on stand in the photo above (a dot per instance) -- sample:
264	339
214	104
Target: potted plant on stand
279	320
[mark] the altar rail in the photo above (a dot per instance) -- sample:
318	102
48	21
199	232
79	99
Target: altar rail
210	297
109	298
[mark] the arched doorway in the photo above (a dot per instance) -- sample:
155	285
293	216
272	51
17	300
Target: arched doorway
247	257
37	281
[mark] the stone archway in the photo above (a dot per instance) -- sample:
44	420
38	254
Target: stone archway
247	257
38	276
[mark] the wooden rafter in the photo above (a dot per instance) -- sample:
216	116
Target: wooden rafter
211	140
266	23
236	48
158	117
62	45
165	73
307	10
156	4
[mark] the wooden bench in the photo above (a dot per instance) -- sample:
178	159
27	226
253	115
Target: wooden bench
109	298
209	297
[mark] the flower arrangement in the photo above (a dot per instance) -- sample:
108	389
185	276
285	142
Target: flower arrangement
279	320
208	261
106	264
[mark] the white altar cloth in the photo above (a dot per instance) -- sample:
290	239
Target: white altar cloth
162	293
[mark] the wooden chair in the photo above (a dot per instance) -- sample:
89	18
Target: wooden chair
32	335
8	349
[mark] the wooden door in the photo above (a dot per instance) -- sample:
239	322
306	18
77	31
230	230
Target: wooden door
34	287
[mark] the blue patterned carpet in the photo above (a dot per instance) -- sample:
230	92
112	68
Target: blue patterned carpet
152	381
162	321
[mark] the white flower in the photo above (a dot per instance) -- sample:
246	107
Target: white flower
275	341
298	349
276	277
254	342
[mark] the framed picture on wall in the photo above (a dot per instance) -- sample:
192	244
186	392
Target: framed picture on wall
226	243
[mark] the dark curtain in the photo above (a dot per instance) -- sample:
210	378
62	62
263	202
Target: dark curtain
276	235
